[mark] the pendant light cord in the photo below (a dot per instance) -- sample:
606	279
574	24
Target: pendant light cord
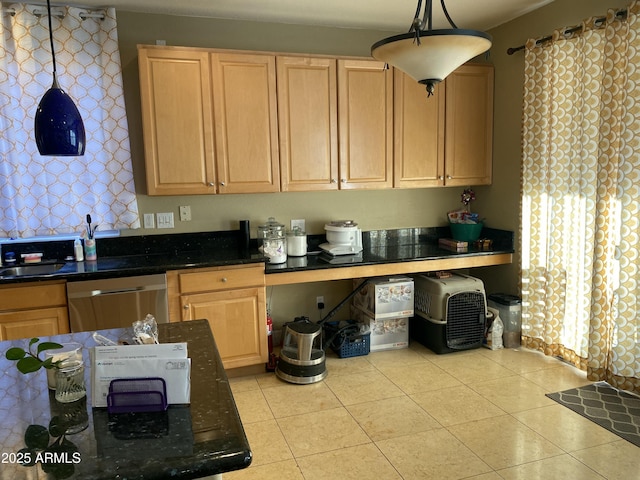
53	53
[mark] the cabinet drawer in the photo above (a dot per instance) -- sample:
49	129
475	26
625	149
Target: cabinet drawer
28	296
222	279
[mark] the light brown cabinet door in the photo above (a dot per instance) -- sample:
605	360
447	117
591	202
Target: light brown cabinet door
40	322
238	322
419	132
246	125
308	123
177	121
469	125
365	109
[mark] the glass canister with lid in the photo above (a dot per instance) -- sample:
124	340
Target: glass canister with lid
274	242
272	228
296	242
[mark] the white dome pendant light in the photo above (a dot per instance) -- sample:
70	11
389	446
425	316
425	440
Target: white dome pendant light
428	56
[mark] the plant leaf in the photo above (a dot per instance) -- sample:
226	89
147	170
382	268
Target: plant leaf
15	353
58	426
33	340
48	346
49	363
29	364
36	436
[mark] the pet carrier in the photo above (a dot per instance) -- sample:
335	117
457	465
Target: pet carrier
450	312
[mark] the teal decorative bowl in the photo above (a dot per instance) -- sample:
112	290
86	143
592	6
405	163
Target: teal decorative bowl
466	232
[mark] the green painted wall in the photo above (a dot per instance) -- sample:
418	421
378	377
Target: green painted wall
499	203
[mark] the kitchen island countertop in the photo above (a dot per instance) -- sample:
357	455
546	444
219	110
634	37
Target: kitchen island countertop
185	442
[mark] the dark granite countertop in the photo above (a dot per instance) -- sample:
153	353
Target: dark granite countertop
127	256
393	246
187	442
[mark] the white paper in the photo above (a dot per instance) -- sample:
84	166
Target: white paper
167	360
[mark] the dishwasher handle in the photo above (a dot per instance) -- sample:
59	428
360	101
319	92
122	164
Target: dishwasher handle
116	291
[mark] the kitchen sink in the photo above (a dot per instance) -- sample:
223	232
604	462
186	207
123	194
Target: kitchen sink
24	270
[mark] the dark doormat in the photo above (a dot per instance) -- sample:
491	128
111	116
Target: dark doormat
613	409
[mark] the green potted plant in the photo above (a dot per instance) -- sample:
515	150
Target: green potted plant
465	225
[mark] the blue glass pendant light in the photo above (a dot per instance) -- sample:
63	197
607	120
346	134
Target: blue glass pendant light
59	129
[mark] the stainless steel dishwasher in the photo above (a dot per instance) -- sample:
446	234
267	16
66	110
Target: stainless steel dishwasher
116	302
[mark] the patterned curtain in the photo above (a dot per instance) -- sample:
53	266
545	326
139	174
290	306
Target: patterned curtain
580	228
48	195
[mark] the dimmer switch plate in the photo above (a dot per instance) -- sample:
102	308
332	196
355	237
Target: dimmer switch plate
164	220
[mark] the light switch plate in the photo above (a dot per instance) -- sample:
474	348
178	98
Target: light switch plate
149	220
164	220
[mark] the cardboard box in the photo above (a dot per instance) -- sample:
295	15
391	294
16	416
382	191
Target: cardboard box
453	245
387	333
385	297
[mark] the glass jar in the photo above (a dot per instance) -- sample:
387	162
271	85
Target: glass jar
296	243
275	247
70	385
271	229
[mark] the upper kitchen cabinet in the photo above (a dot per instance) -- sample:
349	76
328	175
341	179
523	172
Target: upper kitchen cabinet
418	133
445	139
469	125
308	123
209	121
246	124
365	110
177	121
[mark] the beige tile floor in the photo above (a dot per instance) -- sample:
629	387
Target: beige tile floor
412	414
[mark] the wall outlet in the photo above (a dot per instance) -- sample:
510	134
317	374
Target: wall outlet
298	223
185	213
165	220
320	302
149	220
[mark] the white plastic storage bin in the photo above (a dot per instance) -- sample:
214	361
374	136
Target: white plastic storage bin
450	312
386	333
385	297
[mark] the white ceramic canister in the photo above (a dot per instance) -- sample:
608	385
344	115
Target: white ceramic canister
296	243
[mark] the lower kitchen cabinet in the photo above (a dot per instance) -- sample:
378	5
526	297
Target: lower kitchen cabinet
33	310
233	300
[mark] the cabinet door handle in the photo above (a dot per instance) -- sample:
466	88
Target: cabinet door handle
186	306
333	180
211	184
441	177
449	177
222	184
344	180
223	279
